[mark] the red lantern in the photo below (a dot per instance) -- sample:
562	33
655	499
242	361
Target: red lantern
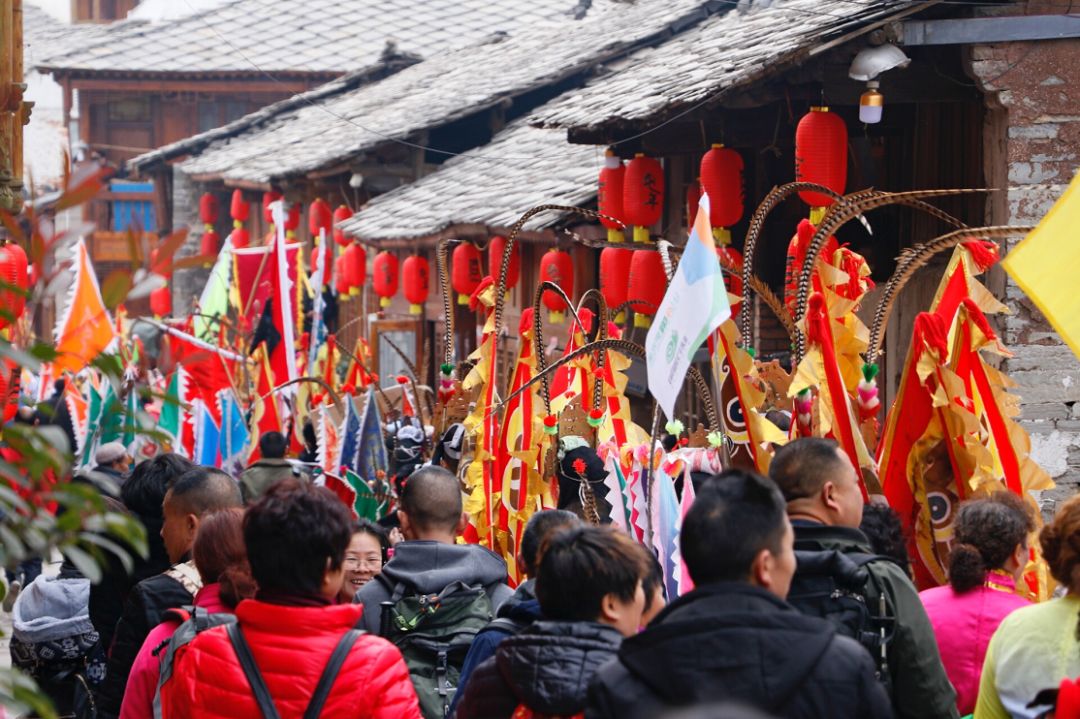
238	208
208	208
558	267
609	196
320	218
615	277
693	199
292	220
209	245
161	302
341	214
495	256
417	278
466	273
355	265
13	274
341	272
643	195
722	181
821	154
384	277
268	199
648	283
240	237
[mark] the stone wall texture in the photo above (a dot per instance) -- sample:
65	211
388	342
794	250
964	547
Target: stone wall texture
1030	82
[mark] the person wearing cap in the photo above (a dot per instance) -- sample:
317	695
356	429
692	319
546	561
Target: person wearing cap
447	452
112	459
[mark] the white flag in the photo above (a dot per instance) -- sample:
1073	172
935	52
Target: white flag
694	306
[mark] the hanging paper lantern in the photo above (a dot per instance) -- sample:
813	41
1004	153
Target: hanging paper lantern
821	154
416	277
292	220
238	207
609	196
693	198
647	283
238	210
466	272
384	277
495	256
209	245
615	277
341	284
341	214
722	181
161	302
643	195
557	266
13	274
320	218
355	266
209	208
268	199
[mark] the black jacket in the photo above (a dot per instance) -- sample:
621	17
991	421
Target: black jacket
920	687
547	667
143	610
735	642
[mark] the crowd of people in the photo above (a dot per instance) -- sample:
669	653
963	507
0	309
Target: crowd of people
267	598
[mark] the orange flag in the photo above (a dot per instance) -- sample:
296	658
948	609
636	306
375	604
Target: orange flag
84	329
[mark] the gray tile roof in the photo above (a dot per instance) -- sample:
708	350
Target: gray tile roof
252	37
540	167
719	55
441	89
46	37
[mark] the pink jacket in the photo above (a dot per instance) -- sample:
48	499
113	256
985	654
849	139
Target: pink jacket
143	680
963	625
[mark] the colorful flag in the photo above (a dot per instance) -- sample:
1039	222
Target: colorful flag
83	329
173	409
207	437
233	443
1046	263
214	301
667	520
349	436
371	461
694	305
682	579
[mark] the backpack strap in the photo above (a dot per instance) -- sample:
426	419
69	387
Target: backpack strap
329	674
251	671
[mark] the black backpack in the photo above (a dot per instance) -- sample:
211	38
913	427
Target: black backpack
833	585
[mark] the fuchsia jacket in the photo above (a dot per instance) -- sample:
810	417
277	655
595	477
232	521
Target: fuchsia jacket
963	625
143	680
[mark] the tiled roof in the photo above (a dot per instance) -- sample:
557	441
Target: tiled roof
441	89
719	55
472	189
253	37
46	37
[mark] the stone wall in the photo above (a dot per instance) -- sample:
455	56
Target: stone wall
187	284
1033	143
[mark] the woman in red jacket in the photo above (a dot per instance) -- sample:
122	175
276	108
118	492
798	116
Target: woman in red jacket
296	535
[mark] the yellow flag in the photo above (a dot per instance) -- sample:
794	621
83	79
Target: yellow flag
1047	262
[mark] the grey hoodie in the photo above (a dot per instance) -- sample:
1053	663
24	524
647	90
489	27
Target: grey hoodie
425	567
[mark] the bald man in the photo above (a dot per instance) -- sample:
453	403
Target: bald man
429	560
191	497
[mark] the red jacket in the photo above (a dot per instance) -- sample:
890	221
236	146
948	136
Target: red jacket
291	646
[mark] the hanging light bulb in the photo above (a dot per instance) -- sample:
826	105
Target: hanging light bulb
871	104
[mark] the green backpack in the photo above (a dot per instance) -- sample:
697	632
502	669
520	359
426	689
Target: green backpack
434	632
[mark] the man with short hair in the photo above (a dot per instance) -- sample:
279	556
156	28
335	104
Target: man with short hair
192	495
523	608
430	559
825	505
589	583
271	468
733	638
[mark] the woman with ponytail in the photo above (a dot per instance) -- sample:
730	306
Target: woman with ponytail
221	558
1038	646
988	555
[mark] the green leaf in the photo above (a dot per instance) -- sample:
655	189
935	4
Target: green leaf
115	288
19	357
84	562
107	544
